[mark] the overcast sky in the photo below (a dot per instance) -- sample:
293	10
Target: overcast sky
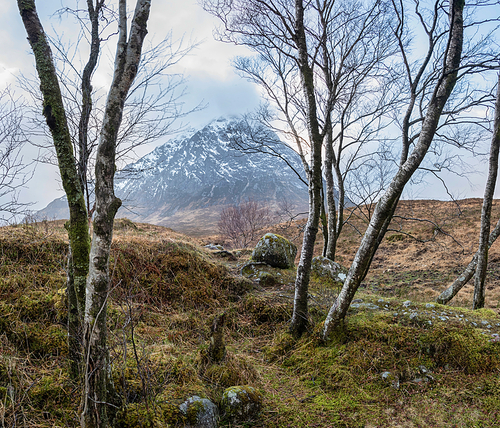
211	79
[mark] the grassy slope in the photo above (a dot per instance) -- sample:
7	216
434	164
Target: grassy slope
441	364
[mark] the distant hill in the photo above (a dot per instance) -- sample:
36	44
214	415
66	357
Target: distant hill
185	183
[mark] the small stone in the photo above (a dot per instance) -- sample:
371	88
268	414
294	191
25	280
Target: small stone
385	375
200	412
413	315
429	305
407	303
241	403
429	322
357	301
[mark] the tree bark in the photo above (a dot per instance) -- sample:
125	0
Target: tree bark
53	110
330	198
300	316
98	385
384	207
482	252
468	272
83	125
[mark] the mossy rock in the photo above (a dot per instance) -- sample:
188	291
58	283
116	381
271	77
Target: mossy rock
241	403
200	412
276	251
325	268
265	275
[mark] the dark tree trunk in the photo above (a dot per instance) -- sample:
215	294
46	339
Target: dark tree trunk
53	110
330	198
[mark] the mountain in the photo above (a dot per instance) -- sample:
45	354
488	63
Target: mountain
185	183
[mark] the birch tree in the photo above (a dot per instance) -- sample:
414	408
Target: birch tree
91	268
410	161
283	26
478	264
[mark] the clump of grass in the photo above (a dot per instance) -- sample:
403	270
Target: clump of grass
172	274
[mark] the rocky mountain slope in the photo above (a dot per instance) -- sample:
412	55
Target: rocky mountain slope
185	183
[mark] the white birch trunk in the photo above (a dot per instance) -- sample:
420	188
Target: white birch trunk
384	207
98	386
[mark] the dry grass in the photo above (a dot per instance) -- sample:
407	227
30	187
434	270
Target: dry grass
167	290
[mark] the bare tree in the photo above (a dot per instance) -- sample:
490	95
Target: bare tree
409	164
152	105
241	223
482	252
279	32
14	171
479	262
97	384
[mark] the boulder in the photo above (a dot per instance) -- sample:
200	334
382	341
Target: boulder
275	251
200	412
241	403
326	268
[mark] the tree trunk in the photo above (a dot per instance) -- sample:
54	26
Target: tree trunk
482	252
98	385
300	317
385	206
83	125
468	273
330	198
53	110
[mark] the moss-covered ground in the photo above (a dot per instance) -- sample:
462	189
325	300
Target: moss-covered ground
398	361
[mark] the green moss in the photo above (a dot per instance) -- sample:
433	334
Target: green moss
158	414
241	403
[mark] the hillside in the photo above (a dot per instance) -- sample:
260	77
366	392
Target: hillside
395	363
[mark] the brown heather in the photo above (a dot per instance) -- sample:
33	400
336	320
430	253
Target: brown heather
167	290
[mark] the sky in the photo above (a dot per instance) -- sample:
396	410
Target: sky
210	80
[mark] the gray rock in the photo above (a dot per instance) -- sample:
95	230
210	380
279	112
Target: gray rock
407	303
326	268
429	305
275	251
215	247
241	403
200	412
393	379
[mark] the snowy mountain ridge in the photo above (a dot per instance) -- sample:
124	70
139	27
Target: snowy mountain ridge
186	182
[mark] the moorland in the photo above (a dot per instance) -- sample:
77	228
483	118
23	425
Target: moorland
400	359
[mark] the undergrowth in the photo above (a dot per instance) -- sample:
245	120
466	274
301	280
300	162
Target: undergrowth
384	369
